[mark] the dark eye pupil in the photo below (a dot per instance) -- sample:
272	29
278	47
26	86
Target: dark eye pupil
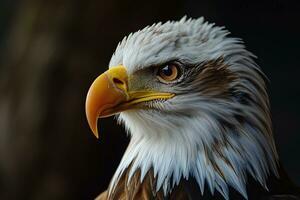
167	70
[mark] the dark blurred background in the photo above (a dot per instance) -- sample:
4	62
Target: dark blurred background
50	52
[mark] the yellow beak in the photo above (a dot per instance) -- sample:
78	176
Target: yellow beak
109	95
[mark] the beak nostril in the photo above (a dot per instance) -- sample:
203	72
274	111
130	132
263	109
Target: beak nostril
118	81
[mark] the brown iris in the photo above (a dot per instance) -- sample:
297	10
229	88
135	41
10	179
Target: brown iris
168	73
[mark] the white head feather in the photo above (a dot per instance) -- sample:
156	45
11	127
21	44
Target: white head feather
186	136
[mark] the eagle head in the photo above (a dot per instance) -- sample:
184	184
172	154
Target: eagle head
194	103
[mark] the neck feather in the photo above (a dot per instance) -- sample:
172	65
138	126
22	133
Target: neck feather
221	161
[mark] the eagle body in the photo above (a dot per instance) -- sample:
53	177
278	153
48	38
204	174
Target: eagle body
278	189
195	105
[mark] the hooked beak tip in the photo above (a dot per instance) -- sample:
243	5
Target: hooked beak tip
96	133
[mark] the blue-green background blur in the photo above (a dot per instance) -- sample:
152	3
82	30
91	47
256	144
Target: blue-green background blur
50	52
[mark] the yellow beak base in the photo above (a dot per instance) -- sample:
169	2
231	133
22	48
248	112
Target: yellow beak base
109	95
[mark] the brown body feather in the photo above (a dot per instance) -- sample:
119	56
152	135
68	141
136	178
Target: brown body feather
279	189
137	190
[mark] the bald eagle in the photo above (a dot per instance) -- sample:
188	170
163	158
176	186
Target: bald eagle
195	105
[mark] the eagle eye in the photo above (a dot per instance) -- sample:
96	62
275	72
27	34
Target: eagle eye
168	73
